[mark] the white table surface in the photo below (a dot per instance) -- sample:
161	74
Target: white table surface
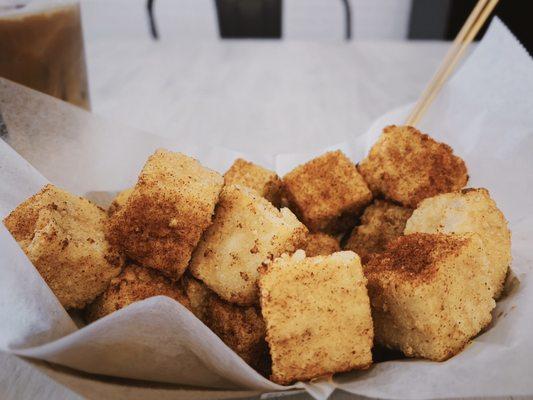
257	96
252	96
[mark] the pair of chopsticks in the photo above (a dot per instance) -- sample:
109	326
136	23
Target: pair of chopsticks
468	32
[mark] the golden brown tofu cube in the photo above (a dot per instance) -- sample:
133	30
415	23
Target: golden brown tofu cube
381	222
247	231
63	236
166	213
198	295
317	315
430	294
407	166
240	327
321	244
119	201
327	193
133	284
469	210
253	176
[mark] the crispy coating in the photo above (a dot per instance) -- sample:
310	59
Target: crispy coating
241	328
327	193
198	295
166	213
407	166
247	231
317	315
63	236
253	176
133	284
321	244
430	294
119	201
469	210
381	222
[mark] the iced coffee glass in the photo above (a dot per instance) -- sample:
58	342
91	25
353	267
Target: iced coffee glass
41	46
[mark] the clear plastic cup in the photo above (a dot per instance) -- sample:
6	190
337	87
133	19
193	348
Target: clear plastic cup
41	46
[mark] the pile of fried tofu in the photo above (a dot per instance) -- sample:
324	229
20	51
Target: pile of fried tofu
302	275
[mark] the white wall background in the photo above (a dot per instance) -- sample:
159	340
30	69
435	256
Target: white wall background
380	19
128	19
196	19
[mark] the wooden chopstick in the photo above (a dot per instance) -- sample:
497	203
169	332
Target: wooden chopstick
468	32
452	51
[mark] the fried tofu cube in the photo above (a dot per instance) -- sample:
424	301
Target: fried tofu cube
407	166
247	231
327	193
134	284
240	327
321	244
119	201
199	296
253	176
469	210
381	222
166	213
430	294
317	315
63	236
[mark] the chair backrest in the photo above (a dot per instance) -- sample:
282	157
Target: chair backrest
316	20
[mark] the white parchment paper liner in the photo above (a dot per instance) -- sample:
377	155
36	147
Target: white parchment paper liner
484	113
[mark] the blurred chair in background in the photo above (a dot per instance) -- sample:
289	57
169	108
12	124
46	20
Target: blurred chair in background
317	20
303	19
442	19
259	19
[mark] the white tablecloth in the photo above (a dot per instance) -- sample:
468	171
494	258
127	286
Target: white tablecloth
251	95
283	95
